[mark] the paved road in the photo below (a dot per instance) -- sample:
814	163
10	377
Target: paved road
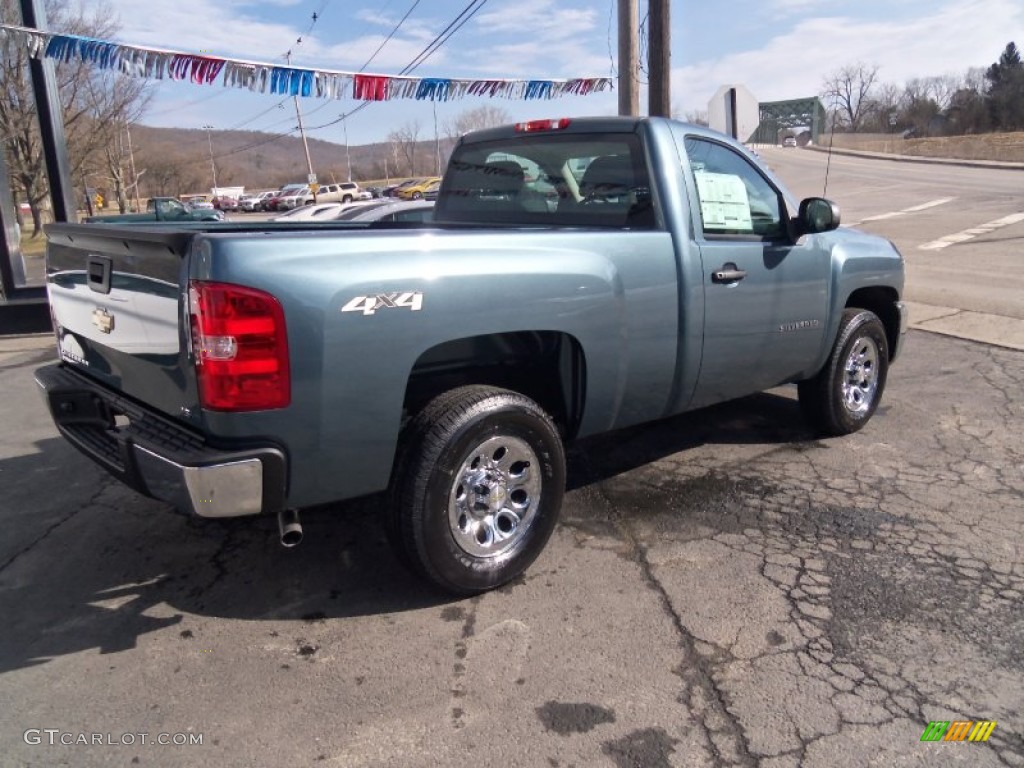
724	590
983	272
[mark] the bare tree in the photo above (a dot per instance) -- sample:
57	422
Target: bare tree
403	144
77	83
485	116
850	89
115	102
697	117
164	176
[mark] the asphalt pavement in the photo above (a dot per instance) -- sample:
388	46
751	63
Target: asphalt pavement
724	589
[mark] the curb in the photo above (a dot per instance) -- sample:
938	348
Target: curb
987	164
969	325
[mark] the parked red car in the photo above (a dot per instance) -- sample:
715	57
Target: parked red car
225	203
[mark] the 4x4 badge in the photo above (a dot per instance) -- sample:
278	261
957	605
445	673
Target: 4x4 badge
369	305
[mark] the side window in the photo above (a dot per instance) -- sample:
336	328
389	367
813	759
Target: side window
735	199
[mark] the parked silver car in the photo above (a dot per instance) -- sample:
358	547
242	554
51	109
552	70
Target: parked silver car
389	209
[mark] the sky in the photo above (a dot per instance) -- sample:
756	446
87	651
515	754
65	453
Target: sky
778	49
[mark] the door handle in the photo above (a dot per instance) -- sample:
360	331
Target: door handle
728	273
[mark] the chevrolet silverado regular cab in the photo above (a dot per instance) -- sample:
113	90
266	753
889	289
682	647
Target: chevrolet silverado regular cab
581	276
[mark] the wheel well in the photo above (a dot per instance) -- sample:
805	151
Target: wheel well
881	301
546	366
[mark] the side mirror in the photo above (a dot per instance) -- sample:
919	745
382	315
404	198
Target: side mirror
817	215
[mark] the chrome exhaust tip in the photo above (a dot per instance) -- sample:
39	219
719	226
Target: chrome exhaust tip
289	527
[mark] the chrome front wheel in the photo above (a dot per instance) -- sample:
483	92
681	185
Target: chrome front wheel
860	379
843	395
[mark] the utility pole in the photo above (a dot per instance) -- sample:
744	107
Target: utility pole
629	85
437	141
659	60
348	158
213	165
305	145
131	165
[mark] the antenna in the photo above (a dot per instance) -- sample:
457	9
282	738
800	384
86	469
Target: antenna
828	163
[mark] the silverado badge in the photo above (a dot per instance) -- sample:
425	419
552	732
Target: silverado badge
103	320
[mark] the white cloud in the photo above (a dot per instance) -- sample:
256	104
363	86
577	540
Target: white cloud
537	19
536	38
796	6
956	36
166	26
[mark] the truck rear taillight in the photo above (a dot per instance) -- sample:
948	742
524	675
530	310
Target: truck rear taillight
241	347
530	126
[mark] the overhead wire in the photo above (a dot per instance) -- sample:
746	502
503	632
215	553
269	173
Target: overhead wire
394	30
644	34
390	35
464	16
421	57
314	18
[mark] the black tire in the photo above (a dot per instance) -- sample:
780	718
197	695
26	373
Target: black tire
435	519
838	401
347	199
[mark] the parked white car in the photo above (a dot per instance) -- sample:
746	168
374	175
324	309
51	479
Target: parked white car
389	210
314	212
247	202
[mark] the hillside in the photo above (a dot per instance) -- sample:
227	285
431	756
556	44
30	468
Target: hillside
173	161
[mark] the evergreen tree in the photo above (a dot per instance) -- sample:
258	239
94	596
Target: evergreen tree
1006	90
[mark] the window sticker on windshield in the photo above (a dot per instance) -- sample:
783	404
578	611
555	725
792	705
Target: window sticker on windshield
723	202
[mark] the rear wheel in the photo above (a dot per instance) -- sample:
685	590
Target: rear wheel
844	394
478	488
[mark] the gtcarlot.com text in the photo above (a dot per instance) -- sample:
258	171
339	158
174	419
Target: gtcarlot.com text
56	737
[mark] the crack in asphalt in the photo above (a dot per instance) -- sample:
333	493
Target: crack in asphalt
104	482
894	553
701	677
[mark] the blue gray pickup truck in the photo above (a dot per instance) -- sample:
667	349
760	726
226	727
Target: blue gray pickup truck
581	276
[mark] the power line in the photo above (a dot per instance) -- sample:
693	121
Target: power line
390	35
437	42
316	16
259	143
189	103
467	13
379	48
422	56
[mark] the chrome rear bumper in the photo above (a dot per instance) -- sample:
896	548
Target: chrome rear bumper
158	457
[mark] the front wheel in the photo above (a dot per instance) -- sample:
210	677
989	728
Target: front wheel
844	394
478	488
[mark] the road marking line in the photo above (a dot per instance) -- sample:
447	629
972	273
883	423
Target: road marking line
904	212
967	234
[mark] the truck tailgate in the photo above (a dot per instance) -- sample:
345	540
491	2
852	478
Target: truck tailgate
116	295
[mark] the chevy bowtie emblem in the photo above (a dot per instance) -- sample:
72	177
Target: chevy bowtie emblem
103	320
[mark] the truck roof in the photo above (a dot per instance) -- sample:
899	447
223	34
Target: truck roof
607	124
